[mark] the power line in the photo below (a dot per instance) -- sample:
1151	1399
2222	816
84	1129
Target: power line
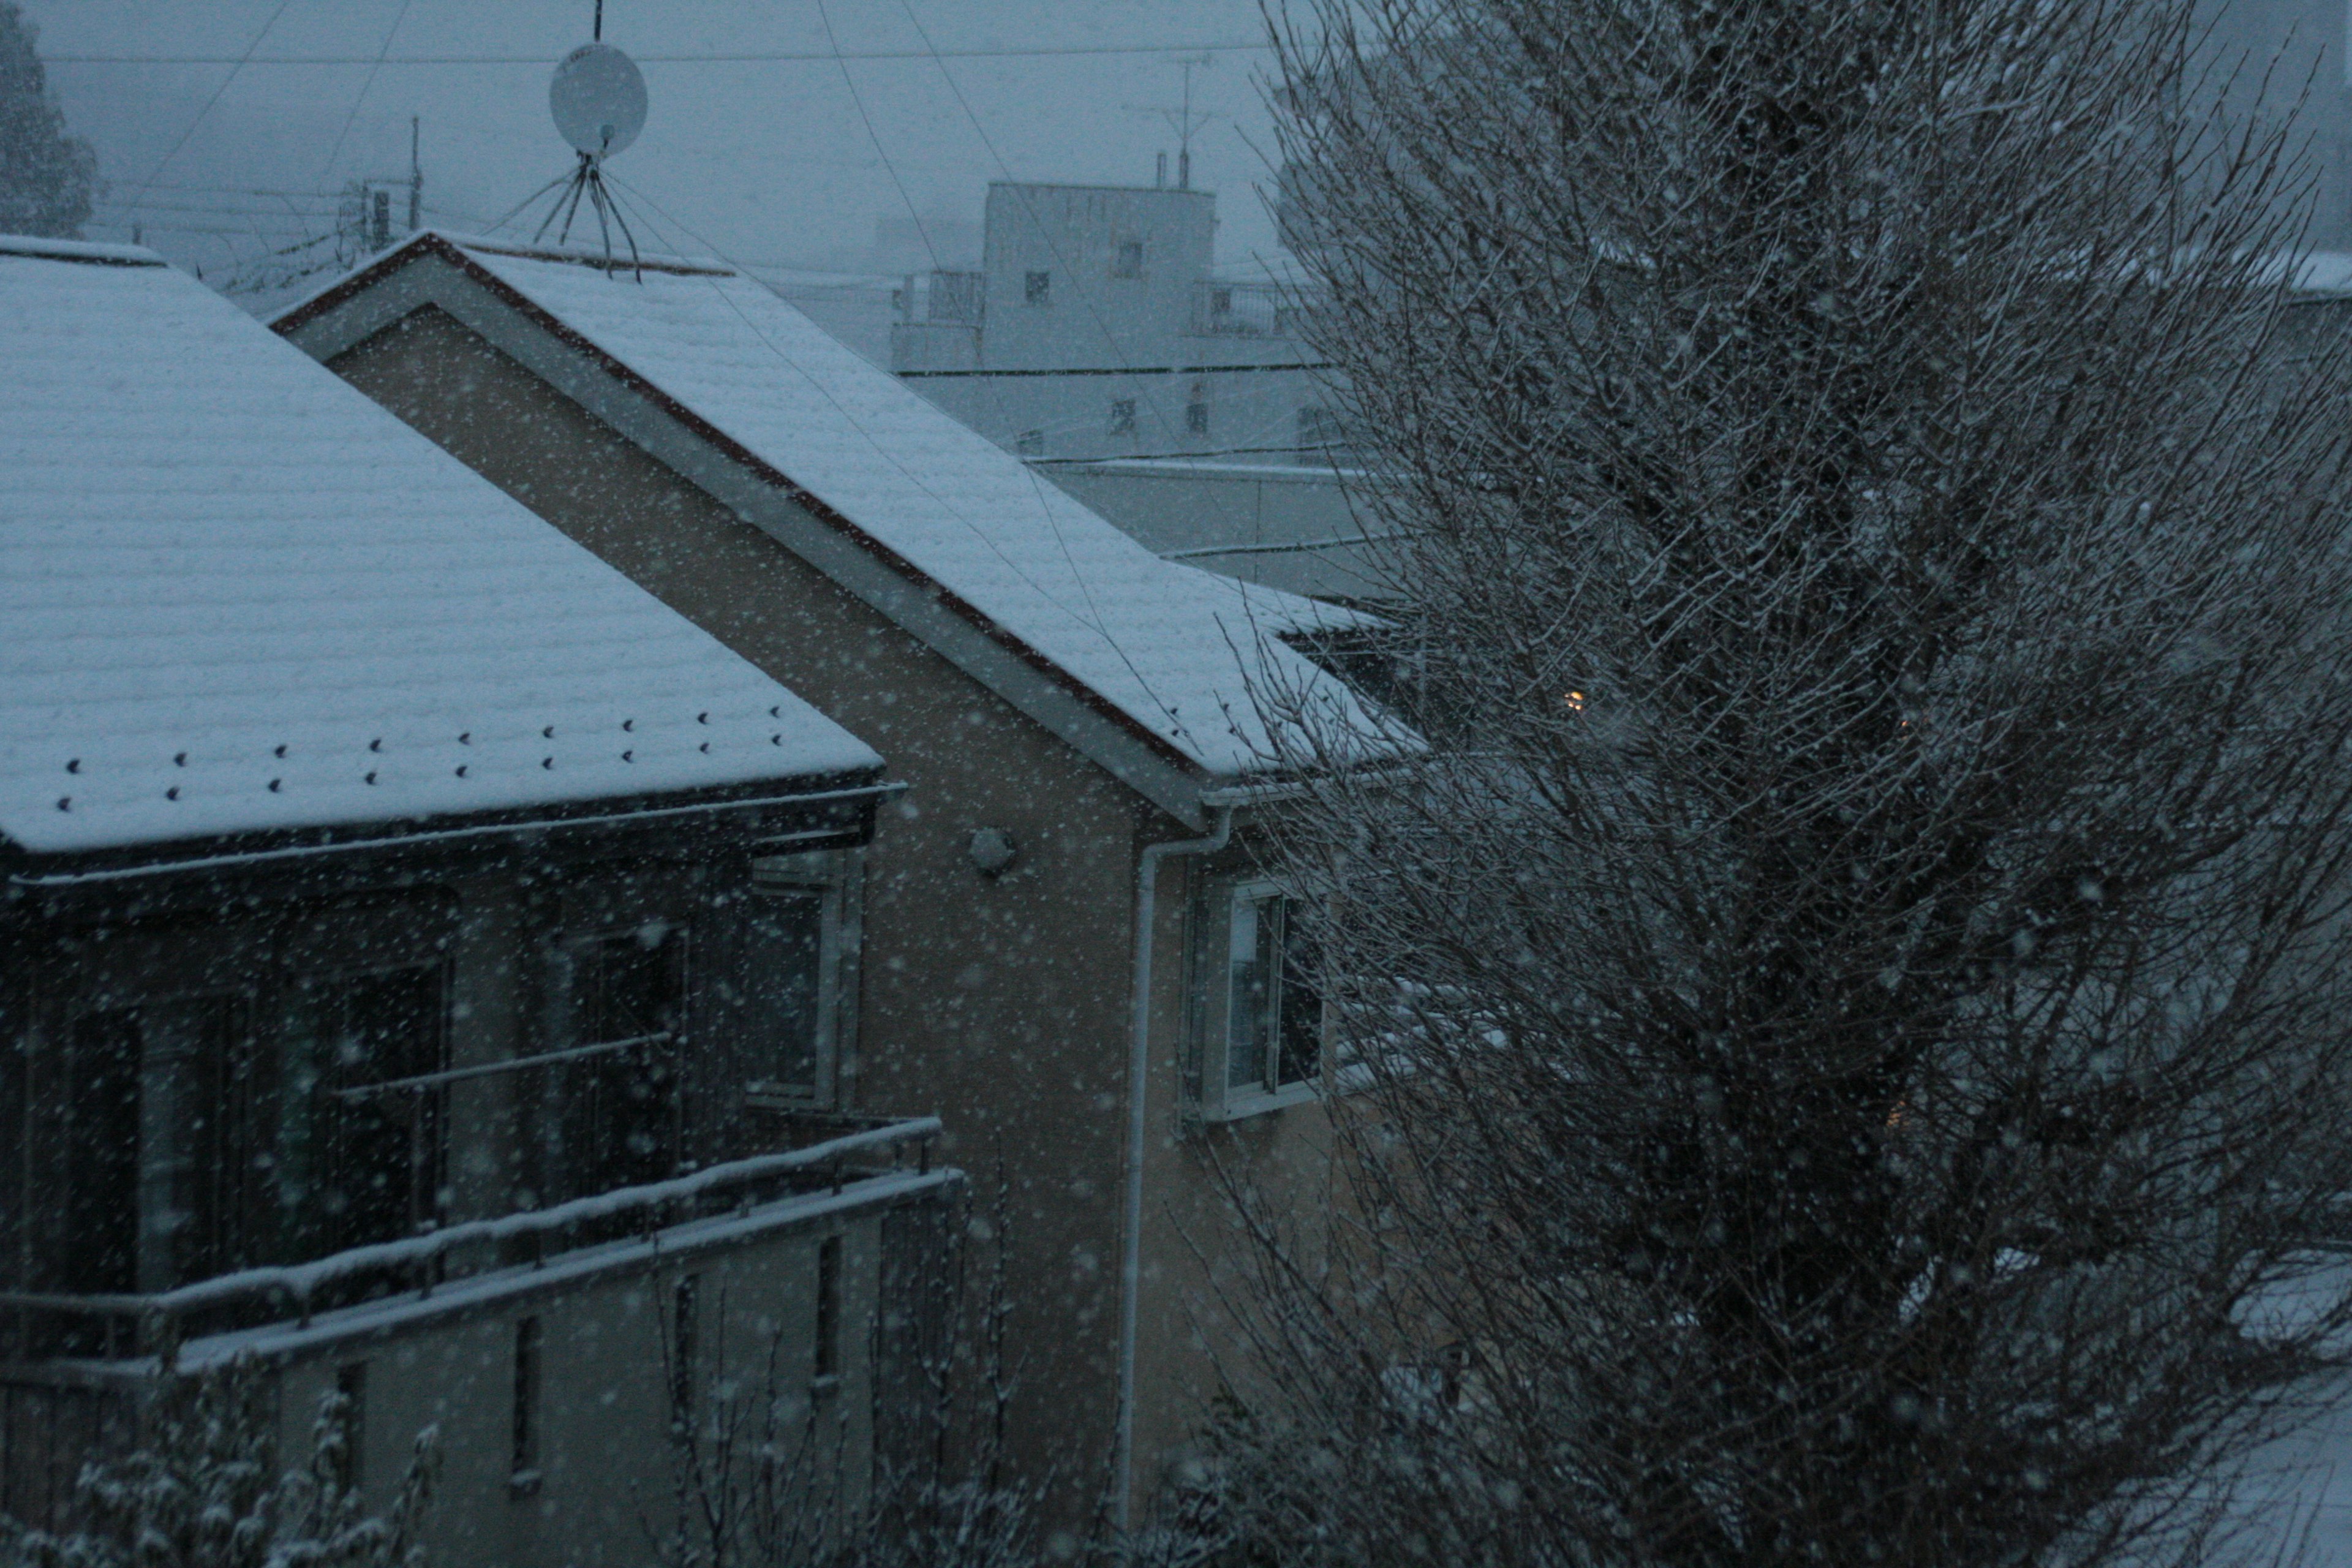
359	98
237	64
823	57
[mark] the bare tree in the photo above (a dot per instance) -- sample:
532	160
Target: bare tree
1852	1006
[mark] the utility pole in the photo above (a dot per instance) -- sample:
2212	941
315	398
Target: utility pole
415	179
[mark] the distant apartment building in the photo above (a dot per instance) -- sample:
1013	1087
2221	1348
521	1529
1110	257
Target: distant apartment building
1098	342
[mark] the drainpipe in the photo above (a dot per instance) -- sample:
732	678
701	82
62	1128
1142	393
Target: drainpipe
1138	1064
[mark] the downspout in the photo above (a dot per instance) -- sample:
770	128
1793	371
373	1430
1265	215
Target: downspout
1139	1064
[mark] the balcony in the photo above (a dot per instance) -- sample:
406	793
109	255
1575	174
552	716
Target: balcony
1248	310
811	1159
942	298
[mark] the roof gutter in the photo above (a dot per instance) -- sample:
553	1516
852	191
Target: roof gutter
299	852
1138	1064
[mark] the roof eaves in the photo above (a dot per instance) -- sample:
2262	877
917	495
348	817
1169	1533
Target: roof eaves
26	868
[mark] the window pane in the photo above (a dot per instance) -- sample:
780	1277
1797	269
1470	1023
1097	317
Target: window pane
1300	1051
782	951
101	1148
1251	949
619	1125
357	1167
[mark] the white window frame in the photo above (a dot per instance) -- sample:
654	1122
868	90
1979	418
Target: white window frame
1216	1099
837	877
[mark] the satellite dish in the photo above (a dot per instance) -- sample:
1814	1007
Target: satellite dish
598	99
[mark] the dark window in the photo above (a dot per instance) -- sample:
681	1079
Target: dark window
619	1123
783	952
525	1464
1037	287
1274	1019
684	1313
164	1175
99	1150
1122	416
1128	261
193	1146
350	1422
1196	418
828	1307
360	1151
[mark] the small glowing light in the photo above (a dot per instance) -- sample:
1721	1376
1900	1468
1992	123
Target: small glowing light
1575	701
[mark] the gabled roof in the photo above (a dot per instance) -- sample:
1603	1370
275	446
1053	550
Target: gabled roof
1170	656
237	596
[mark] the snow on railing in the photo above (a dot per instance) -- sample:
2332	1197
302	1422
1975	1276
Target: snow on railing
426	1250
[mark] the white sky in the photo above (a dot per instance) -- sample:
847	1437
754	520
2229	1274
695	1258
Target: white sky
770	161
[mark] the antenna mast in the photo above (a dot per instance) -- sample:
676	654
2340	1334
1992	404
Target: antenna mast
1182	120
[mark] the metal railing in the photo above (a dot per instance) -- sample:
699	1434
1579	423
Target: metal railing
943	299
1248	310
36	1324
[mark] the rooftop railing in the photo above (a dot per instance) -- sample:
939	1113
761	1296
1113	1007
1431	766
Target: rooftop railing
942	298
39	1325
1248	310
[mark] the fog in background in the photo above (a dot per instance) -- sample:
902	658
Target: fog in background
229	127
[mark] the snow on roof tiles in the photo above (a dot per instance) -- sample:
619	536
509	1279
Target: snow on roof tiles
1176	649
238	596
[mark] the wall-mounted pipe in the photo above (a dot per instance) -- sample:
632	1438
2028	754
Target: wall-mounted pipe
1138	1065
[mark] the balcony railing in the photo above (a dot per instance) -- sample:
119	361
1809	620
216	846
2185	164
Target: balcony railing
1248	310
942	298
37	1325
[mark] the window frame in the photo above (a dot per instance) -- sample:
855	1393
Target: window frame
1214	1100
837	878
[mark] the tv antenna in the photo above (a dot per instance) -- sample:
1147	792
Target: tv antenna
597	97
1181	118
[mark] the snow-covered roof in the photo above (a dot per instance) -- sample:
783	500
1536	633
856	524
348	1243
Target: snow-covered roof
237	595
1175	652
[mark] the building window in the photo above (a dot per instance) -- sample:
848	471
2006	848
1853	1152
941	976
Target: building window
523	1469
350	1423
1037	287
360	1157
1128	262
686	1310
1265	1005
1030	444
1196	418
828	1307
1122	416
798	976
196	1143
783	1027
1273	1020
618	1123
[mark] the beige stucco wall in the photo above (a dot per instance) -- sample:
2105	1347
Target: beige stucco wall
1003	1003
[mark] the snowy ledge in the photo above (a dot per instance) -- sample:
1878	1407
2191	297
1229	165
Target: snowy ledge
78	250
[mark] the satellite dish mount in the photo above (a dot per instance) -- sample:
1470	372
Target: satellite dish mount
597	96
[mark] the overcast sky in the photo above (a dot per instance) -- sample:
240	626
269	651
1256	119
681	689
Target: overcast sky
768	160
